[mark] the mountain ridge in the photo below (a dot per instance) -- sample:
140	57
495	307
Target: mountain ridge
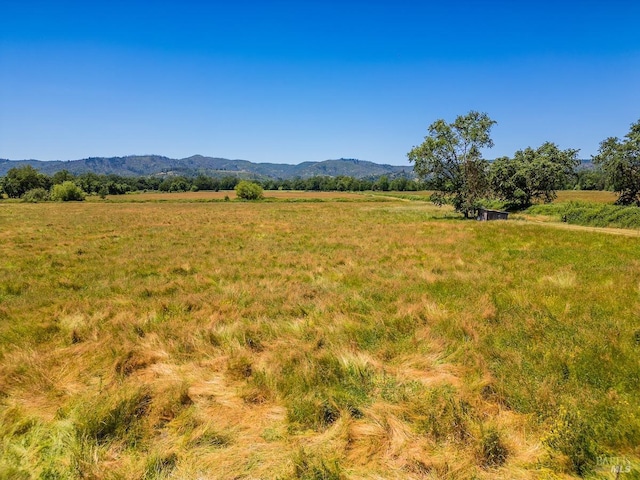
159	165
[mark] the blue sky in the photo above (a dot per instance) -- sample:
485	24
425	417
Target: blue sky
291	81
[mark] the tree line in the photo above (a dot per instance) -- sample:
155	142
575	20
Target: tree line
28	183
451	159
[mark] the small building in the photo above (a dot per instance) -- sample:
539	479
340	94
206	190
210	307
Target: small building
484	215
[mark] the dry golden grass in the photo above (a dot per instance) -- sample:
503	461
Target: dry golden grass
304	340
220	195
586	196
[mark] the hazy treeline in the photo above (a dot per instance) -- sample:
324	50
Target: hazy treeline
21	180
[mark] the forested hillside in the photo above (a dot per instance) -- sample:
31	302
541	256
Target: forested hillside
146	165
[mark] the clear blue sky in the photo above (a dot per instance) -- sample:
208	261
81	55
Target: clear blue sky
292	81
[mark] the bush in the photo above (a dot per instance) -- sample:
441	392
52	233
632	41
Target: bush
36	195
20	180
67	191
248	190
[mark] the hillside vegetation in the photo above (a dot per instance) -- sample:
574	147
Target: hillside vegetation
147	165
368	337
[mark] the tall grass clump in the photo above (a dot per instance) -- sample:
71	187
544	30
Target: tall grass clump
318	390
160	466
114	419
439	413
309	466
493	452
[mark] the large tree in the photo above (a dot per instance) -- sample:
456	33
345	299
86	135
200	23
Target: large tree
451	160
532	175
620	161
19	180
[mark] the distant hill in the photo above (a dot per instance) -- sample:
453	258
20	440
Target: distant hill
587	164
156	165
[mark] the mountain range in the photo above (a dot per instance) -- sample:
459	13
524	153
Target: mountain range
156	165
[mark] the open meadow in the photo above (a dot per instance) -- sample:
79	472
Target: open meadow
346	337
210	196
596	196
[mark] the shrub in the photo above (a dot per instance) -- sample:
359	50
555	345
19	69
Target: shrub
248	190
20	180
67	191
36	195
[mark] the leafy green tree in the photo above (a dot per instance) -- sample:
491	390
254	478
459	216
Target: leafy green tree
36	195
90	182
20	180
333	184
180	184
314	184
339	184
228	183
175	184
382	184
146	183
532	175
62	176
620	162
202	182
450	159
66	192
165	185
399	184
298	184
590	180
248	190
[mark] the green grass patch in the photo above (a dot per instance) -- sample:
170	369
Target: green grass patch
590	214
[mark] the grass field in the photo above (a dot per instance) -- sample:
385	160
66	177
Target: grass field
586	196
208	196
351	337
